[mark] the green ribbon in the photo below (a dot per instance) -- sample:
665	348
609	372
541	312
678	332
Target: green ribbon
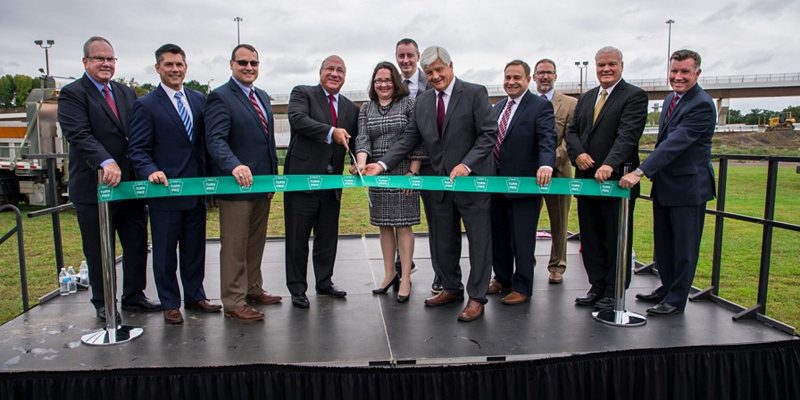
289	183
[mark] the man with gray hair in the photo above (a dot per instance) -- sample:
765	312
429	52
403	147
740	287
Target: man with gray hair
456	123
602	139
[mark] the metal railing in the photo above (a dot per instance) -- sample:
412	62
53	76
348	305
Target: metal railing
757	311
23	275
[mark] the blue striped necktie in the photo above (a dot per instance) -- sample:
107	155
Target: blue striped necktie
187	121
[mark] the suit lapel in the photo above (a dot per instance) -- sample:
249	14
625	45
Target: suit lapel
94	93
452	104
615	94
322	101
524	102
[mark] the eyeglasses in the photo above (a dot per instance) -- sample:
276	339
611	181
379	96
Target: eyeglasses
543	73
380	81
243	63
101	59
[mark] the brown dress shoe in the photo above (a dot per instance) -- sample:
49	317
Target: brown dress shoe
264	298
173	316
245	313
471	312
556	277
514	298
442	299
495	287
203	305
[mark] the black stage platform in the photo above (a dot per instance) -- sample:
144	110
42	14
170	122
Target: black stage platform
368	336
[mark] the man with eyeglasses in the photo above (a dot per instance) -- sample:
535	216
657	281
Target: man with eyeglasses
241	142
94	114
324	125
545	77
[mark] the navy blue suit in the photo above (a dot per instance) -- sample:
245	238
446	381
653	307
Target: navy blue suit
529	143
159	142
683	181
95	135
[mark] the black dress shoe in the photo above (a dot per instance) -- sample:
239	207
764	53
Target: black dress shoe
300	300
589	300
101	313
403	299
142	305
436	286
663	309
606	303
333	291
653	297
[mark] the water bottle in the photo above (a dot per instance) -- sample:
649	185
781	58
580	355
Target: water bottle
83	274
633	258
63	282
73	280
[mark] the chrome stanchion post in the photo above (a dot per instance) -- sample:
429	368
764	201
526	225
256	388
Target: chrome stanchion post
112	333
619	316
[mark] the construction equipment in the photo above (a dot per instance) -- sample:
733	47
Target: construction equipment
26	180
783	122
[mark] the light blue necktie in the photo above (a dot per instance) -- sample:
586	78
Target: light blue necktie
187	122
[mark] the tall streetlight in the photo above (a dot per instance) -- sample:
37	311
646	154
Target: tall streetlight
581	66
669	46
208	86
46	45
238	37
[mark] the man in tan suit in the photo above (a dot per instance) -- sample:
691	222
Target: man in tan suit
557	205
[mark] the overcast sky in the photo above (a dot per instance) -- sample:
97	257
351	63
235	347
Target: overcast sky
292	37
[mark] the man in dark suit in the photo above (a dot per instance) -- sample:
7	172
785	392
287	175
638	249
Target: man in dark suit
683	181
526	146
324	125
407	56
166	141
602	139
241	143
456	123
545	76
94	113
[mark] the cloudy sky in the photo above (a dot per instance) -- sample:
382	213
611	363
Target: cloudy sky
292	37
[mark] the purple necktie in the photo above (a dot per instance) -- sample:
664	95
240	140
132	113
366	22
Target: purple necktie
440	113
501	130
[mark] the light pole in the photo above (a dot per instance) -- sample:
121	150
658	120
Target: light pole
46	45
669	46
581	66
238	37
208	86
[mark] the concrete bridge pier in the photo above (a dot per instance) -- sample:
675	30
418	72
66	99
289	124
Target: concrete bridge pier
722	110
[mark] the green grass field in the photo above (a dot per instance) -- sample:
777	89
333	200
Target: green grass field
740	259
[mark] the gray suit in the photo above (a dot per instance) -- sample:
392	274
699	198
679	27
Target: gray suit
422	83
468	136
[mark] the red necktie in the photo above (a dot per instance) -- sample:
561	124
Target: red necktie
501	131
544	96
672	106
440	113
110	101
331	99
258	110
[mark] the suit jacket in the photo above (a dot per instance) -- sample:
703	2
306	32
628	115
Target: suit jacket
422	83
614	138
680	166
468	135
310	120
564	107
530	138
94	133
159	142
235	135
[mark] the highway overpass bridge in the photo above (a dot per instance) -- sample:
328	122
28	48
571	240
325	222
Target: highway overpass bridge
721	88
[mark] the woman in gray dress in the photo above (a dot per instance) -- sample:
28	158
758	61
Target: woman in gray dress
381	123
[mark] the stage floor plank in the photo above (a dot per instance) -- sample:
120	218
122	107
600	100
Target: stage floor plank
364	329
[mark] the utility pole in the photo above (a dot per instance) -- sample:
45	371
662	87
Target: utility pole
238	37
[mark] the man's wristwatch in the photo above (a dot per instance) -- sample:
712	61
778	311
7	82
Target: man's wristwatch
638	172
